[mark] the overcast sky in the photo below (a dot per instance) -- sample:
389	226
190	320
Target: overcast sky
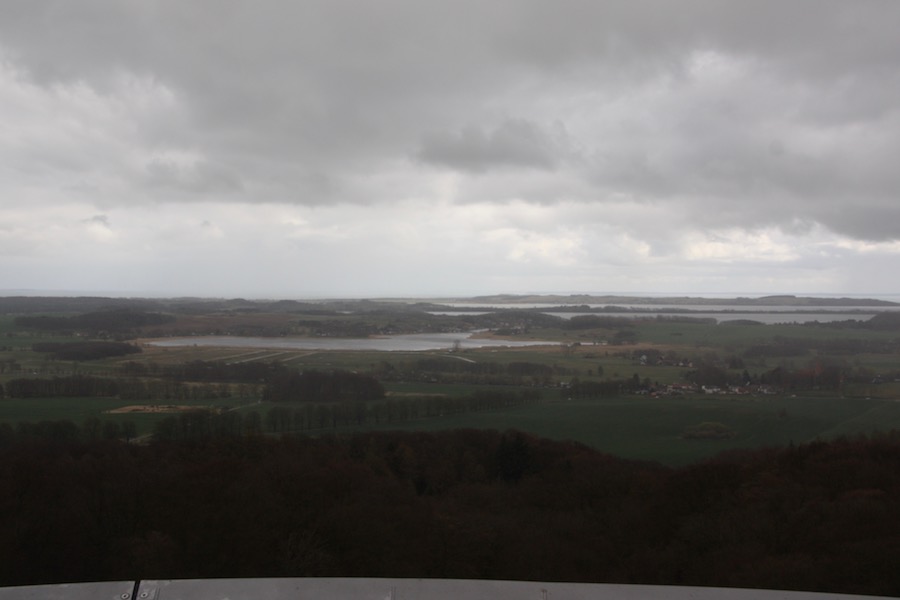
309	148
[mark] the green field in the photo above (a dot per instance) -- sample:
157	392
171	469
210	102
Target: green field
647	428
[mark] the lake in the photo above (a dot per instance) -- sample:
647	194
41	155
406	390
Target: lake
414	342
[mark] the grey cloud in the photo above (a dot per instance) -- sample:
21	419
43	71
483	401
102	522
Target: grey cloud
513	143
98	220
754	156
307	102
198	177
874	223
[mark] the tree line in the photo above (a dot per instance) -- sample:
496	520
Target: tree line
90	386
119	321
315	418
85	350
448	369
275	382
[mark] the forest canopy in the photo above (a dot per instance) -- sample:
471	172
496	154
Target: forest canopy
456	504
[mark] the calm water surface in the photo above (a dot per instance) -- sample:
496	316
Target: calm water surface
409	343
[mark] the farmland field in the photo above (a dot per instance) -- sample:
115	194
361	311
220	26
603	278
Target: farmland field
645	428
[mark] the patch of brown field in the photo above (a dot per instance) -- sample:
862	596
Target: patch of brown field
154	408
180	354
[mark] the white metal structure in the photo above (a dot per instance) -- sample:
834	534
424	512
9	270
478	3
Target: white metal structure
389	589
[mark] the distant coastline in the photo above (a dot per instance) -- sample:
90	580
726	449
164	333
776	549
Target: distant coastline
30	304
774	300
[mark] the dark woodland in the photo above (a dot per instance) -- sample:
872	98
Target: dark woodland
460	504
